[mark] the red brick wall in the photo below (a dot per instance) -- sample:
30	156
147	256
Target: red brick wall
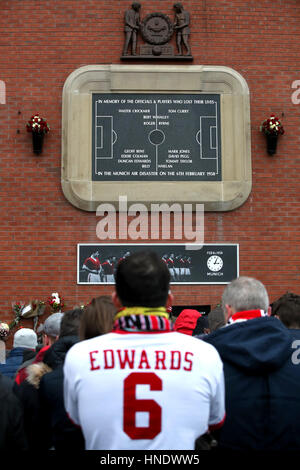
43	41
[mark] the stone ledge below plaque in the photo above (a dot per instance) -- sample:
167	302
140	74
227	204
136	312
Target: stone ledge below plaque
157	52
224	197
85	193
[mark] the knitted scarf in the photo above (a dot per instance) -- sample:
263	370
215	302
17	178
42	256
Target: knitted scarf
142	319
246	315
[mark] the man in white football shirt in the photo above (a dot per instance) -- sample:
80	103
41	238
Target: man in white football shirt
143	386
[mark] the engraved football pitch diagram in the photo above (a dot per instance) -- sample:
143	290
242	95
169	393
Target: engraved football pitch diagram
156	136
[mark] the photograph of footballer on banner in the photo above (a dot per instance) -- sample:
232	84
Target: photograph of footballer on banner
209	264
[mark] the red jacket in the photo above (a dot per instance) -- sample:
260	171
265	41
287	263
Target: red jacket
22	374
186	321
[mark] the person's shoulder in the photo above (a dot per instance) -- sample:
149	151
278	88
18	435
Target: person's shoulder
205	357
295	333
8	394
51	379
195	343
15	352
90	344
6	385
183	338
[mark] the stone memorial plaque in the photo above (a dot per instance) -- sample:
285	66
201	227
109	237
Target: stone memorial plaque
159	133
156	137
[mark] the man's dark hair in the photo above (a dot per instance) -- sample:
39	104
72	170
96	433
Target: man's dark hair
142	280
70	323
201	326
287	308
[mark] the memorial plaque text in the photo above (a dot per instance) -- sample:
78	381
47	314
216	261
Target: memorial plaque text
156	137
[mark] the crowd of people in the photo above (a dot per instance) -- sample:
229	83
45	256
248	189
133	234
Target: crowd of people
121	373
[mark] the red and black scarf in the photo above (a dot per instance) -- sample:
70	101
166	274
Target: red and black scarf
142	319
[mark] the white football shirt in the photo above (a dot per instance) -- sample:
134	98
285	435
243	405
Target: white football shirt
143	390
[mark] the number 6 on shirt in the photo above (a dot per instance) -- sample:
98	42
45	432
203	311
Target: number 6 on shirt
132	405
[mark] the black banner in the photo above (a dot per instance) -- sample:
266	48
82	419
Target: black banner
204	264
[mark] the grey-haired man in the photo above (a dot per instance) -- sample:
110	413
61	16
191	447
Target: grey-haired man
262	385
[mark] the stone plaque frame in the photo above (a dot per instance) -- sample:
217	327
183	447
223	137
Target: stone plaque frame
76	174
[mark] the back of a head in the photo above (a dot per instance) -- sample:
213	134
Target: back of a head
70	323
97	318
186	322
287	309
142	280
246	293
52	324
216	319
25	338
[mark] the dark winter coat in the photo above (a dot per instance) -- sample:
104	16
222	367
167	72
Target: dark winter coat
14	360
65	435
262	385
35	417
41	394
12	435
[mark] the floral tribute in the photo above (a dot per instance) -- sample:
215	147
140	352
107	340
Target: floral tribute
37	308
272	126
37	124
4	331
33	310
56	302
17	309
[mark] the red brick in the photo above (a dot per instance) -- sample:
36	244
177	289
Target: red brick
42	42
